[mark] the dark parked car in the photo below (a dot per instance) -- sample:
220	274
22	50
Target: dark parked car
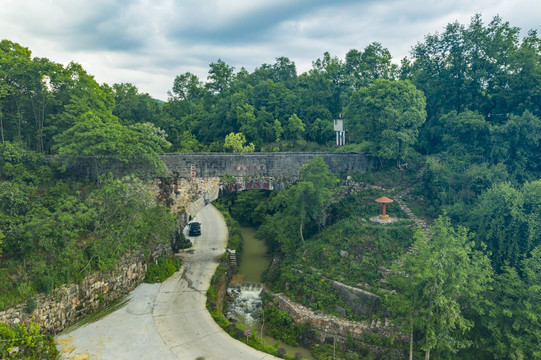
195	228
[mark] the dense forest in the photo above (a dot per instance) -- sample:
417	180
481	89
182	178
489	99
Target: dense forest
460	119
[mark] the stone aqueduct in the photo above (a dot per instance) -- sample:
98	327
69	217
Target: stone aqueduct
196	179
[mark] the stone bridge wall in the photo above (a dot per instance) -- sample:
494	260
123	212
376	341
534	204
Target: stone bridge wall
194	179
204	165
276	165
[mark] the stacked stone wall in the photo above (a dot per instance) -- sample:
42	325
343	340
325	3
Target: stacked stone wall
287	165
332	326
221	287
70	303
360	301
204	165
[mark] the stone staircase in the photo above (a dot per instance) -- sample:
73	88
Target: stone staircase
232	254
422	224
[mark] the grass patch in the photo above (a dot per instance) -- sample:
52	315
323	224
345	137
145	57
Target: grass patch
162	269
99	314
234	238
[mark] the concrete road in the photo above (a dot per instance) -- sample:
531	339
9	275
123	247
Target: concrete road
168	321
180	313
126	334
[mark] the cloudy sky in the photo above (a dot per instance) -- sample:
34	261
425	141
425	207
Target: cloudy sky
149	42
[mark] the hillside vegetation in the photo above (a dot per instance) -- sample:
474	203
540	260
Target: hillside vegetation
458	122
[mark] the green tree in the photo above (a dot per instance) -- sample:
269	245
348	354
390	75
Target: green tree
278	129
483	68
510	327
248	121
249	207
321	131
500	222
294	128
362	68
220	77
189	143
321	85
386	115
236	141
518	145
25	95
437	286
468	130
128	218
26	341
1	242
300	201
102	138
310	198
77	93
133	107
277	230
187	87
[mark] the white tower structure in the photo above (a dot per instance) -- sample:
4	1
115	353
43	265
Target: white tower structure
340	133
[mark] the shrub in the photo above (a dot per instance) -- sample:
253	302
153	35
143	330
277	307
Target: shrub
30	305
23	341
162	269
281	326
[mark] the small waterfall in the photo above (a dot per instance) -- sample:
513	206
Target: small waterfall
245	306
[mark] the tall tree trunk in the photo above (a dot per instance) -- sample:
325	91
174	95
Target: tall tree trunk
1	127
39	117
302	237
429	317
411	334
19	119
411	328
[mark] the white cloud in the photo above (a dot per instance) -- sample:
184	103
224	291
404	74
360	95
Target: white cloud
149	42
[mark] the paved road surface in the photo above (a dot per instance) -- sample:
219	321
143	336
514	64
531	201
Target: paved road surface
167	321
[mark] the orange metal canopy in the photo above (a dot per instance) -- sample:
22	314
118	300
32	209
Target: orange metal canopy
384	200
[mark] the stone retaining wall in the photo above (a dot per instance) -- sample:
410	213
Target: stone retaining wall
69	303
361	301
332	326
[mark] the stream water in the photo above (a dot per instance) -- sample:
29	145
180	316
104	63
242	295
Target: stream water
246	305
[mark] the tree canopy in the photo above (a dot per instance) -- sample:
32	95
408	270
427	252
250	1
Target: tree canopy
387	116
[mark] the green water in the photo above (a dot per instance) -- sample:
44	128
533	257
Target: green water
255	260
